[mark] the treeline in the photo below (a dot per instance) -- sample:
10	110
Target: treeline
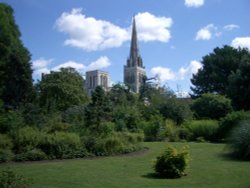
56	119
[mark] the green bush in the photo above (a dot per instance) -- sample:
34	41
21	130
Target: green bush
211	106
229	122
5	142
5	155
184	134
60	144
239	141
10	179
203	129
28	138
153	128
115	143
31	155
170	131
172	163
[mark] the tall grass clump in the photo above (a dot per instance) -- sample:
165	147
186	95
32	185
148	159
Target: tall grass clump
202	129
239	141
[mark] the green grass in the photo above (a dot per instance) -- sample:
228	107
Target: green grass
207	169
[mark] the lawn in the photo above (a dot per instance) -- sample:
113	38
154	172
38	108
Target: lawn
208	168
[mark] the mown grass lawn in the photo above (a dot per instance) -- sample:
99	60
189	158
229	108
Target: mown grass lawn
208	168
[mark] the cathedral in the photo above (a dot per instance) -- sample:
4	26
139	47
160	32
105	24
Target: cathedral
134	71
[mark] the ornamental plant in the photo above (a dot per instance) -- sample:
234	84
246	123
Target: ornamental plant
172	163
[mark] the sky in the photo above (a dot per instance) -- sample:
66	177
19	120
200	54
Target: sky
173	35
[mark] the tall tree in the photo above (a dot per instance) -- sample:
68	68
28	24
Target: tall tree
62	89
239	85
217	67
15	68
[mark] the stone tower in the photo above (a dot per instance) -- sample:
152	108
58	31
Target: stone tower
134	71
96	78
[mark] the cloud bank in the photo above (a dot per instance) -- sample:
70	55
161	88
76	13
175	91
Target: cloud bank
165	74
91	34
43	66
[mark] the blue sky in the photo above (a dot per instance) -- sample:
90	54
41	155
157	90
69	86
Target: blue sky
173	35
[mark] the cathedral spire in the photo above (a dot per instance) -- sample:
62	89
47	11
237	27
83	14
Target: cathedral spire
134	58
134	51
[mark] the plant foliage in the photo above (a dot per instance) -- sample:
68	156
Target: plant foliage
172	163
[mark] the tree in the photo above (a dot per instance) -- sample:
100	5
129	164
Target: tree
211	106
15	69
217	67
99	110
61	90
239	85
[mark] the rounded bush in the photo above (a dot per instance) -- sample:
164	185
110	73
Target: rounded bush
231	121
172	163
211	106
32	155
239	141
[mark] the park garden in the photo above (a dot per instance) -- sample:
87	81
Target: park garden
53	135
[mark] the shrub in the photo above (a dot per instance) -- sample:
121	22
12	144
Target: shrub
205	129
5	155
59	144
153	127
28	138
115	143
31	155
5	142
170	131
10	179
239	141
211	106
184	134
172	163
229	122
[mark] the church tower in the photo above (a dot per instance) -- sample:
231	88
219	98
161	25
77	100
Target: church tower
134	71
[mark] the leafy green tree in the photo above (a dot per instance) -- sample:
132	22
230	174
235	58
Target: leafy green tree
61	90
99	109
239	85
213	77
15	68
211	106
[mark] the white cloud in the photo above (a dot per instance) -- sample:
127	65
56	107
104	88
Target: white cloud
77	66
164	74
206	32
243	42
42	65
231	27
89	33
194	3
100	63
192	68
152	28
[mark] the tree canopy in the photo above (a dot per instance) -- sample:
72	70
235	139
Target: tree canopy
15	69
61	89
217	67
222	73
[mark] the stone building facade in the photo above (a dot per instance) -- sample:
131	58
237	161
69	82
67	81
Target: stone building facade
96	78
